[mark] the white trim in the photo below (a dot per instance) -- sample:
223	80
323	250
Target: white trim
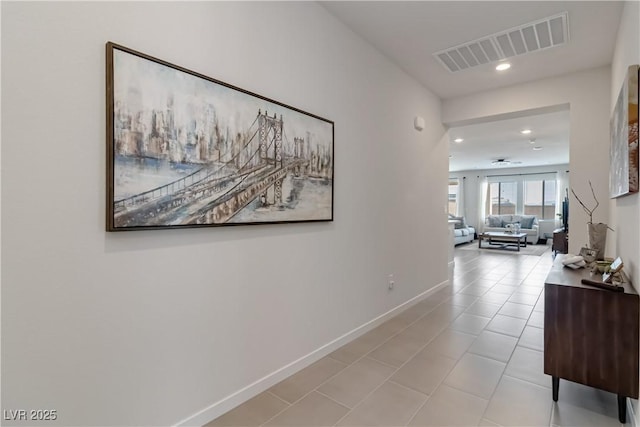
224	405
633	421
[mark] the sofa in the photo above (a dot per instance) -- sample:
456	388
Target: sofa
528	224
462	233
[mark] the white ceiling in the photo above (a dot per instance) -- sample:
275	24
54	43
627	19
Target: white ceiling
409	32
486	142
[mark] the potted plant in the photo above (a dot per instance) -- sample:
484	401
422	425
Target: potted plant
597	232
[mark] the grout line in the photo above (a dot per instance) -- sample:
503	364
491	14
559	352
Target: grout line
333	400
278	397
407	387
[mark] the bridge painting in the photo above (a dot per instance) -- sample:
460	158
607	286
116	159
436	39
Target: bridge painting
185	150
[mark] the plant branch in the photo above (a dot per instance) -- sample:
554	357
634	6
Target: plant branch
586	209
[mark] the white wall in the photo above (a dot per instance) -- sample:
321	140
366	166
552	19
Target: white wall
626	209
148	328
588	95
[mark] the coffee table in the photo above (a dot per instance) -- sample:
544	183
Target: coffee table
503	240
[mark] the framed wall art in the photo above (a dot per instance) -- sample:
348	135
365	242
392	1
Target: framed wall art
186	150
623	172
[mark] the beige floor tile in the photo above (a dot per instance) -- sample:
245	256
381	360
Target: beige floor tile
410	315
521	298
485	283
567	415
398	349
532	338
494	298
504	289
483	309
528	365
426	328
424	372
441	295
301	383
506	325
521	311
532	290
463	300
519	403
351	385
446	312
476	375
253	412
450	407
469	323
390	405
536	319
314	410
426	306
511	280
450	343
494	346
492	275
534	281
393	325
362	345
475	289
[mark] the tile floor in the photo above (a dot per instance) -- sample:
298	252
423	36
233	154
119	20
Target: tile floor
469	355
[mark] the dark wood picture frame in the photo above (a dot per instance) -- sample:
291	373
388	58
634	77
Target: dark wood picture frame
187	150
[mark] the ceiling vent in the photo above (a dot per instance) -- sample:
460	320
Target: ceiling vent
534	36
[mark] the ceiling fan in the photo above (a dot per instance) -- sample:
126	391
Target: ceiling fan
504	162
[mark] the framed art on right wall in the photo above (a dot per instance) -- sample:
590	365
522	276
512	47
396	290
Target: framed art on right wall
623	172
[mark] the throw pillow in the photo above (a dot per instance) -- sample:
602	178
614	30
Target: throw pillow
463	222
527	221
494	221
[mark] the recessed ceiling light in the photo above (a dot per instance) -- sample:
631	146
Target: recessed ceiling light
525	131
532	141
537	148
450	155
458	140
503	66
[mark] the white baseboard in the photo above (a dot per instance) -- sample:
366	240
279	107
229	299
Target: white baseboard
631	411
226	404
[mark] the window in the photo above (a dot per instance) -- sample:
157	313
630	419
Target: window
540	198
453	196
503	197
533	194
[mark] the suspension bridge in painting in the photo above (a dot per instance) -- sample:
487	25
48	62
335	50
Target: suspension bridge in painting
216	192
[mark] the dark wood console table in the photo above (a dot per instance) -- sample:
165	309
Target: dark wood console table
590	334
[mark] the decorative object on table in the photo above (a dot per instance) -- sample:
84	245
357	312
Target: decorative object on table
597	232
623	169
602	266
573	261
588	254
186	150
614	273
